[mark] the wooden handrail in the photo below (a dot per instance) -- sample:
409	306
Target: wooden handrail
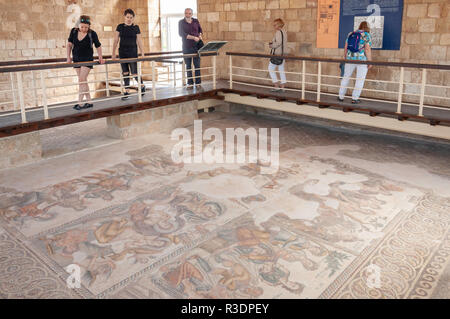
381	63
55	60
71	65
169	61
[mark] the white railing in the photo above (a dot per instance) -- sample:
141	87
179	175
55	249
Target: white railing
46	92
44	96
315	83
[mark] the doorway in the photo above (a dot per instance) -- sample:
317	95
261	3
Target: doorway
172	11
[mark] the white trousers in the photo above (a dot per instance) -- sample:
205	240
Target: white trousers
361	72
273	74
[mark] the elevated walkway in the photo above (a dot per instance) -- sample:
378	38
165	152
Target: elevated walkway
62	114
303	97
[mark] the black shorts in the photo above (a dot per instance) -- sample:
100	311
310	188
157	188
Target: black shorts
76	60
79	67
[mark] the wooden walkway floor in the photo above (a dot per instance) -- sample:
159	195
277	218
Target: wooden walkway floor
63	114
10	124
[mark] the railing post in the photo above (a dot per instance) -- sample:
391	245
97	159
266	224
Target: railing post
174	71
122	88
422	91
139	65
107	80
44	95
183	73
34	89
214	72
193	71
319	72
231	72
13	90
400	90
21	99
154	80
303	78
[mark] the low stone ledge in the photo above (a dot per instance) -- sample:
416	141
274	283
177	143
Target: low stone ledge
20	149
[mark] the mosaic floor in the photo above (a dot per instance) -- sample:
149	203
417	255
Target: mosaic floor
140	226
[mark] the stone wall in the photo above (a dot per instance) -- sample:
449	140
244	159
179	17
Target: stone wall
247	25
37	30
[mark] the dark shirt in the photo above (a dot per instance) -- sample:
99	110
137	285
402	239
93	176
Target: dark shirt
83	50
128	35
185	29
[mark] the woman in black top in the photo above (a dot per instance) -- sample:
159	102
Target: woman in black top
130	38
80	43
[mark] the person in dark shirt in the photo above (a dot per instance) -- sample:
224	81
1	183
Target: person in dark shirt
80	44
190	32
130	38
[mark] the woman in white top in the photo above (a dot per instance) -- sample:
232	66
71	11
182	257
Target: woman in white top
279	47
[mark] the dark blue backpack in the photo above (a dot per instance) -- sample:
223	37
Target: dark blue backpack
353	41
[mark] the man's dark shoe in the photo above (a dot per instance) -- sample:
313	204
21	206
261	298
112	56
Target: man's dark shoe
77	107
87	105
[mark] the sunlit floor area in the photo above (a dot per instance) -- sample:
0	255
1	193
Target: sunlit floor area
347	215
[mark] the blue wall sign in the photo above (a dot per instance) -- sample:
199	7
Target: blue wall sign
384	18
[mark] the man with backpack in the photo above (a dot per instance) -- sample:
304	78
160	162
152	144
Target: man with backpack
357	48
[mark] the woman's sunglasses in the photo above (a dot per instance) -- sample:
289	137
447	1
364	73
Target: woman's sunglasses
85	20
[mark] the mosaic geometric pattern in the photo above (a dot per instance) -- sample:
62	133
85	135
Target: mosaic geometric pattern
410	258
146	227
22	275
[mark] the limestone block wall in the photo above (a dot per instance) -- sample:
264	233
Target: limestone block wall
161	119
36	29
247	25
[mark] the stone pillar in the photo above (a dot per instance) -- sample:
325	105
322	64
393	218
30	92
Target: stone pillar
161	119
20	150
